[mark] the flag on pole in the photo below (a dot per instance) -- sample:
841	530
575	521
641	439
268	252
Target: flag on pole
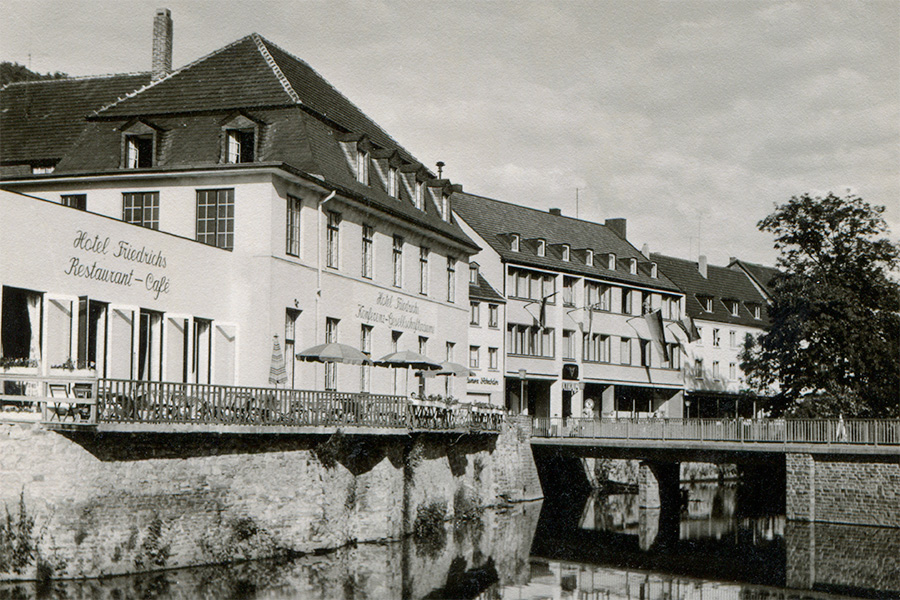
687	324
657	331
542	319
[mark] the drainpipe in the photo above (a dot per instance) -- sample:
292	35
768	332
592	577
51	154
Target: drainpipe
319	257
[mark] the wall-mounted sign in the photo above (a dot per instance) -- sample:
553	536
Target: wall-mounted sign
93	244
483	381
394	311
570	372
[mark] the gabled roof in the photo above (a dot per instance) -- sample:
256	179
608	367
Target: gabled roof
249	73
494	220
39	120
761	274
721	283
484	291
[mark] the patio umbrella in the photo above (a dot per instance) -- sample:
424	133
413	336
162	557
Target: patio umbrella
334	352
409	360
453	369
277	372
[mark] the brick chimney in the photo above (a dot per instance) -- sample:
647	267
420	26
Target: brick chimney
617	226
645	250
701	266
162	43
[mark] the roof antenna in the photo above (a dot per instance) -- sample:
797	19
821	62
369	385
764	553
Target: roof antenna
576	203
440	166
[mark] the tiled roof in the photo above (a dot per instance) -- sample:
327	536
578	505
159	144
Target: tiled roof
721	283
484	291
762	274
494	220
39	120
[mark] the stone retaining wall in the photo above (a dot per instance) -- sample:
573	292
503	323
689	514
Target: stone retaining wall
111	504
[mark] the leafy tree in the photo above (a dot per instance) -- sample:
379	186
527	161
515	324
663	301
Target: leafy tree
11	72
834	342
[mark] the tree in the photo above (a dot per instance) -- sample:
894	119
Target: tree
833	346
12	72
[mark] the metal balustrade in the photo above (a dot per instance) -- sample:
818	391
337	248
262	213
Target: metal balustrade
875	432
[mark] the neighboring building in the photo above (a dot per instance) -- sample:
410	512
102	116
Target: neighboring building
760	275
487	325
194	215
726	307
576	293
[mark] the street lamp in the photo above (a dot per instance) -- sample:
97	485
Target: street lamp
687	404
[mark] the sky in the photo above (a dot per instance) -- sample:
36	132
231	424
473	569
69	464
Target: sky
692	120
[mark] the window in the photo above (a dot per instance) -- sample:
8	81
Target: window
398	261
493	316
597	295
611	262
445	207
569	291
473	273
755	310
715	370
596	347
423	345
493	359
568	344
423	271
91	334
78	201
732	338
331	336
565	252
419	198
362	166
541	248
201	362
626	301
215	218
150	348
365	345
646	303
732	371
706	303
698	368
733	307
514	242
240	146
393	187
290	341
474	352
475	318
531	285
395	346
138	151
699	336
645	353
141	208
333	240
292	243
717	338
654	271
451	346
589	257
530	340
451	279
632	266
368	234
625	351
42	169
674	361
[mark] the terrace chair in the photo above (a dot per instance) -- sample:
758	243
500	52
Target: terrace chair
60	391
83	390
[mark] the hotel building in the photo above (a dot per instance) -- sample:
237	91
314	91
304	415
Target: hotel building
167	226
580	300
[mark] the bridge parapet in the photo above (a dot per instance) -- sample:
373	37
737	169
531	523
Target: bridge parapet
768	432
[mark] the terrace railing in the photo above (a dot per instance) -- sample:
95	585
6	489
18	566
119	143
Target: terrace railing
884	432
146	402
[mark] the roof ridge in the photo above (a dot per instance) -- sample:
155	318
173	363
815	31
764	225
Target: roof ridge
537	210
75	78
288	88
172	74
397	145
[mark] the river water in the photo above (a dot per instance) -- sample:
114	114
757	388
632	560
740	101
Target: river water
722	546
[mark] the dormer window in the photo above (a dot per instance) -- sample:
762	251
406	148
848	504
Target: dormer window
706	303
589	257
138	151
514	242
611	262
565	252
419	198
733	307
240	146
473	273
755	310
654	271
541	248
362	166
632	266
393	182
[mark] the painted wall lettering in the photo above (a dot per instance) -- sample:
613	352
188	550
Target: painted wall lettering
96	244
